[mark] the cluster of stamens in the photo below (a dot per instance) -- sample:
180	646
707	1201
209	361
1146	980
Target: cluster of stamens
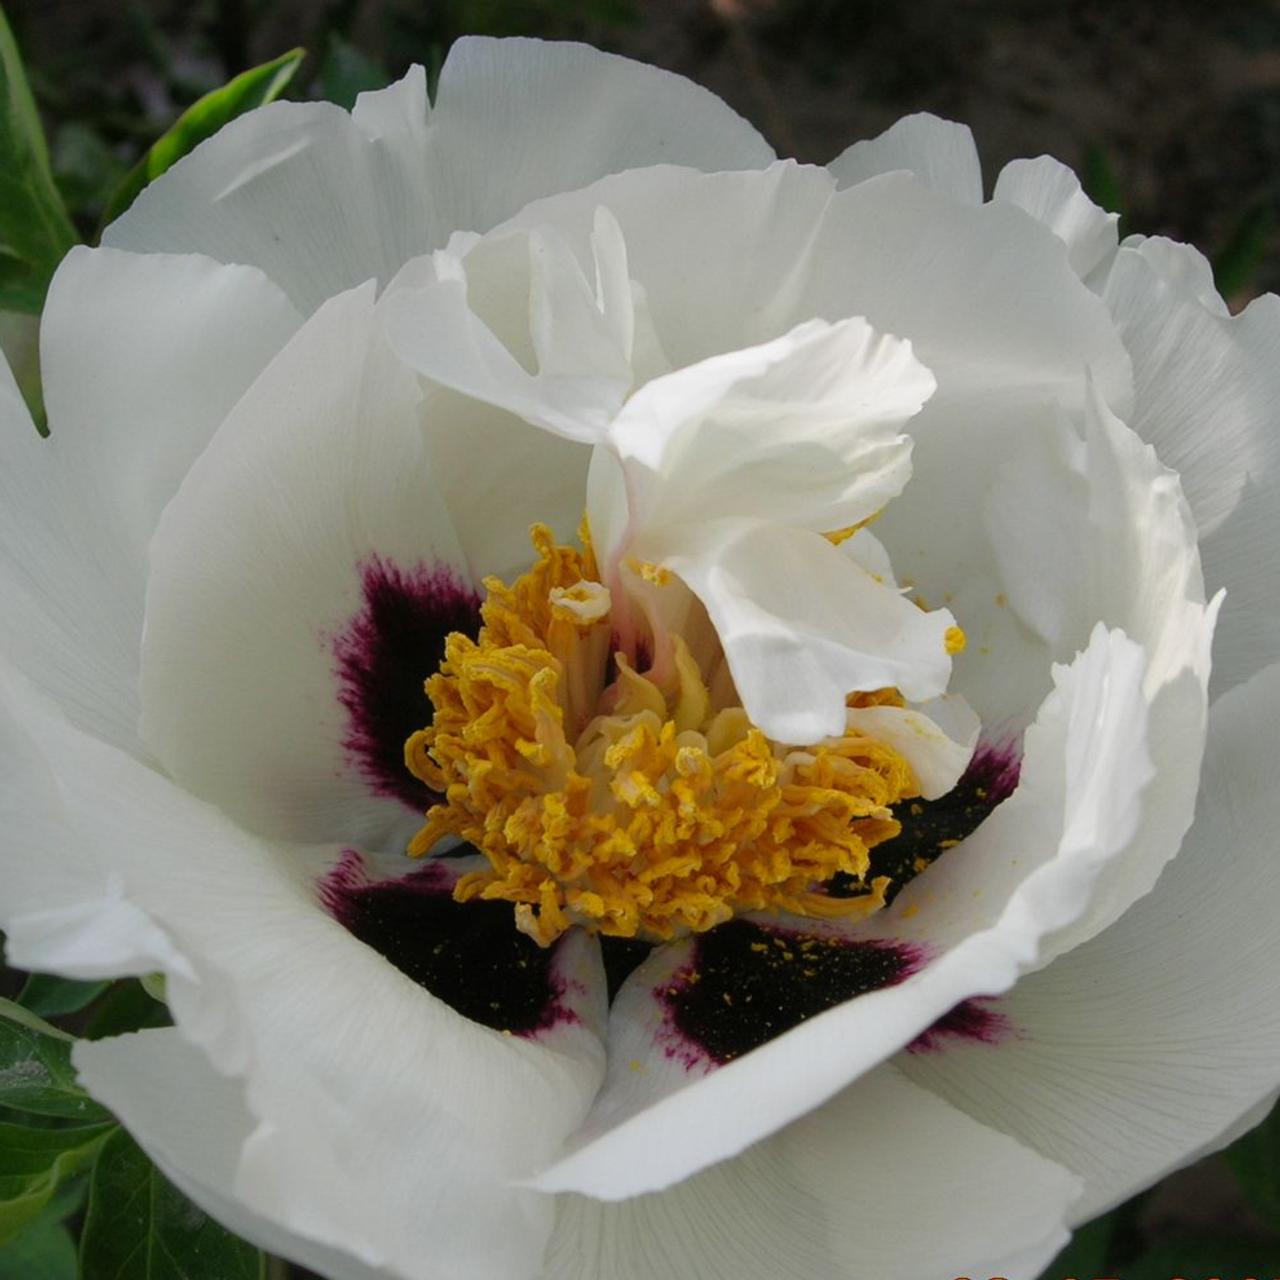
636	805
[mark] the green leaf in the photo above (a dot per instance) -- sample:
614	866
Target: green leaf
201	120
347	72
34	1162
35	228
1235	265
22	288
52	997
128	1006
42	1250
28	1018
1100	182
140	1227
36	1074
1255	1160
1206	1258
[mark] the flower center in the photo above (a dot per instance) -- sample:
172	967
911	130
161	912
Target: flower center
635	805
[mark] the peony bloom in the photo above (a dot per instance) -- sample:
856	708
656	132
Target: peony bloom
796	812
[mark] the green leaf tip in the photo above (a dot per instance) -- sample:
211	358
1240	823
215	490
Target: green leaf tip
250	89
35	228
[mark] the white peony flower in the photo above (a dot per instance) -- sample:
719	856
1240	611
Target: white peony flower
321	381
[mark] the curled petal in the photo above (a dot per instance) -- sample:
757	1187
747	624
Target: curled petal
940	152
1052	194
805	430
802	625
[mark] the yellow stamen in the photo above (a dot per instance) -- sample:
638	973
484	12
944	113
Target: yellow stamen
955	640
657	574
643	810
837	536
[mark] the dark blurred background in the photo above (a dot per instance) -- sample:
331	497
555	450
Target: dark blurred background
1170	110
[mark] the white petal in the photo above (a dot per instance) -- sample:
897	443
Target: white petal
940	152
100	935
951	279
296	189
582	325
802	625
805	430
142	358
687	236
974	920
1097	528
350	1070
865	549
497	477
1052	194
194	1123
323	201
396	114
1183	268
519	104
1137	1049
63	911
879	1182
576	331
938	753
1207	386
314	500
1175	739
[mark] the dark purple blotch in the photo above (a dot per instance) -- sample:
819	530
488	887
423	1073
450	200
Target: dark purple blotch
467	954
975	1020
931	827
747	983
384	655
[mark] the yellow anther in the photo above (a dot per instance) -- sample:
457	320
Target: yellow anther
641	809
584	603
837	536
955	640
659	575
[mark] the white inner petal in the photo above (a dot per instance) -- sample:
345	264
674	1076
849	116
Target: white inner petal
806	430
464	317
803	625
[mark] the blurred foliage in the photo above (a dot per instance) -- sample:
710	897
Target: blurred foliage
69	1172
112	76
1256	1161
35	230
